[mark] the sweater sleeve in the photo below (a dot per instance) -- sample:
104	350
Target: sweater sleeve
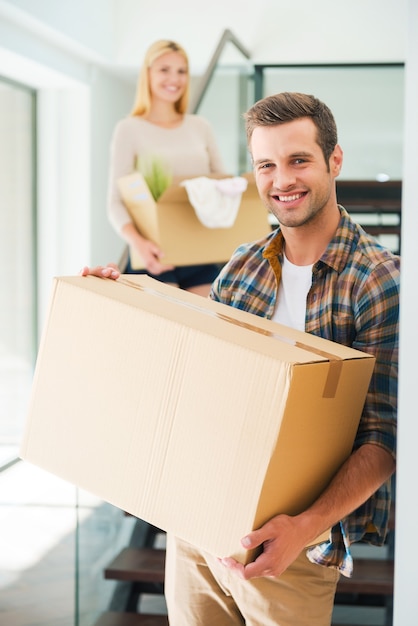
122	163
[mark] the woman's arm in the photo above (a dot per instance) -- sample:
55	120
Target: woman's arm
122	163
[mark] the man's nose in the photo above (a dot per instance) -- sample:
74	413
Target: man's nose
283	178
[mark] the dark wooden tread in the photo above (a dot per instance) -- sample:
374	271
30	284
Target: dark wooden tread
370	576
137	565
114	618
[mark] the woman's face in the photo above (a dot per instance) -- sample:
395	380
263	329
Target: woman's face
168	77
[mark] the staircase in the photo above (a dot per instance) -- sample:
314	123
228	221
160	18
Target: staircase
141	568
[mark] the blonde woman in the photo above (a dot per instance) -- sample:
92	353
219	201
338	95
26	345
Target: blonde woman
159	129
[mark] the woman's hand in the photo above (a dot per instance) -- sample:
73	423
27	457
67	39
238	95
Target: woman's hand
102	271
150	253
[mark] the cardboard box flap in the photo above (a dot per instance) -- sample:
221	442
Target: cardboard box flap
220	320
216	318
133	186
322	348
136	195
176	193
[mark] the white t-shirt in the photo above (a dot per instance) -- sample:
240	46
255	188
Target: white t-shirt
294	286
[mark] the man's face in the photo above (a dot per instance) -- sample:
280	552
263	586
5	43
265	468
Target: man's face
292	177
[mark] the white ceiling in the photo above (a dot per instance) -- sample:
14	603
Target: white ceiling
117	32
276	31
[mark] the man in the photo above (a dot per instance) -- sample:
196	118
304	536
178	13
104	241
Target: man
321	273
318	272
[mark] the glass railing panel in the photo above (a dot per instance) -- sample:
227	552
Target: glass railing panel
102	531
224	99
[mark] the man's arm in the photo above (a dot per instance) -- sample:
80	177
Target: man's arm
284	537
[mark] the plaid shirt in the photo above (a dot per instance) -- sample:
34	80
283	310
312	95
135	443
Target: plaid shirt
353	300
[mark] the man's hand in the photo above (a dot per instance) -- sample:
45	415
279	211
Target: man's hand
102	271
282	540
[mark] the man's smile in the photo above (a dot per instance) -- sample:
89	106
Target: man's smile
292	198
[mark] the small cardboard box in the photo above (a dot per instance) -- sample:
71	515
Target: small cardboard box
201	419
172	223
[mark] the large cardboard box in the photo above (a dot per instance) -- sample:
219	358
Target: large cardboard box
203	420
172	223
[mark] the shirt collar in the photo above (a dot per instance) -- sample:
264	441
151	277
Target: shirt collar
337	252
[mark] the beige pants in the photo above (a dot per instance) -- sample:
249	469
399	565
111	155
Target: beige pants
200	591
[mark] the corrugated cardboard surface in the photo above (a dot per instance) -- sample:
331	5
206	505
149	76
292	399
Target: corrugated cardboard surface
203	420
172	223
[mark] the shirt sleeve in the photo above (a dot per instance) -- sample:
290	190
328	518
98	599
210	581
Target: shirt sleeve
377	314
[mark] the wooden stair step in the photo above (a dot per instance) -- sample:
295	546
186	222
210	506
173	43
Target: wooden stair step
137	565
114	618
370	576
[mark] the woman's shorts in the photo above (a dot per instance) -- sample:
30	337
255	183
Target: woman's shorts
185	277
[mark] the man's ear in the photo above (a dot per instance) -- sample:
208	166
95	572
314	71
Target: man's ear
336	161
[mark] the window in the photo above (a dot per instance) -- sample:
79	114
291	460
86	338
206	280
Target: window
18	261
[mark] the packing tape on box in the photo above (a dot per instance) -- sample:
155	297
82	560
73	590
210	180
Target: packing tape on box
335	362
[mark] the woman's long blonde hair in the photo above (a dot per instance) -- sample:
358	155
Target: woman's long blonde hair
142	104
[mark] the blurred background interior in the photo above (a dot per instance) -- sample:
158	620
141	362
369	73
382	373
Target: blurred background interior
68	72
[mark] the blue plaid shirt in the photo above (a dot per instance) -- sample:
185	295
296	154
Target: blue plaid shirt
353	300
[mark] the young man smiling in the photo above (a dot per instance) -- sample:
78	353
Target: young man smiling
319	272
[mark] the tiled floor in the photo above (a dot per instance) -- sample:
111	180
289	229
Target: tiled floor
37	520
39	544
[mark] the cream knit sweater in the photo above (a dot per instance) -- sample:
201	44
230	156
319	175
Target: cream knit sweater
188	150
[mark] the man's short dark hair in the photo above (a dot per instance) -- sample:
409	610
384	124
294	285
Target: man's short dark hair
288	106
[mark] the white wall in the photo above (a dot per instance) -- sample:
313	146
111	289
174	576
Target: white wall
79	102
85	26
406	547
